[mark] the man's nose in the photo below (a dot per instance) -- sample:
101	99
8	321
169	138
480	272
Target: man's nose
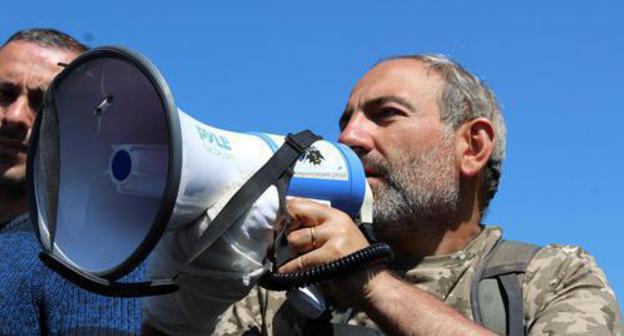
358	134
16	119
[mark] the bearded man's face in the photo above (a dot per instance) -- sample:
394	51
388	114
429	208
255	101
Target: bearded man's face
392	120
415	190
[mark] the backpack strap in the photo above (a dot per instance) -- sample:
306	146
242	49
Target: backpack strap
496	292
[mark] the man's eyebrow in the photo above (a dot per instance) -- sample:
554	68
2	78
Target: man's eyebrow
389	99
6	82
373	103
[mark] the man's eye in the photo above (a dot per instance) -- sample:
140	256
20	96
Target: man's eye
35	99
387	112
7	96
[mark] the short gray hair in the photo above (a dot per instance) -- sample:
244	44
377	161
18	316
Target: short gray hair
48	38
465	97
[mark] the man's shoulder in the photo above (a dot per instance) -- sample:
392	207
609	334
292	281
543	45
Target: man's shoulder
19	263
20	223
35	297
565	290
555	263
18	248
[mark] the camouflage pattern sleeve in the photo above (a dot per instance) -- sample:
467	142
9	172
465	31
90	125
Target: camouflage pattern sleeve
247	316
566	293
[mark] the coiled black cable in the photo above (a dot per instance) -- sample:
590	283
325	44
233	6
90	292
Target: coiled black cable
378	252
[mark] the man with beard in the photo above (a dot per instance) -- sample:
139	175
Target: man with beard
431	137
35	300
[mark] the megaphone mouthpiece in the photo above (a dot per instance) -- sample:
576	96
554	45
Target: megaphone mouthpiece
138	169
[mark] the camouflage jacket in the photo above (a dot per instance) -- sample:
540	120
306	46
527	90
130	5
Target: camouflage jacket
564	292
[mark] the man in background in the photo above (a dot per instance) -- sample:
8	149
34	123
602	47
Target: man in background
33	299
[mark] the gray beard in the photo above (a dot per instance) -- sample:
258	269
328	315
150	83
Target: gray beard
416	192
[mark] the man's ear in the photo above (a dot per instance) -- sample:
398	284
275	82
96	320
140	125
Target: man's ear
475	144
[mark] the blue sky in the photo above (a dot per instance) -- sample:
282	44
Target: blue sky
284	66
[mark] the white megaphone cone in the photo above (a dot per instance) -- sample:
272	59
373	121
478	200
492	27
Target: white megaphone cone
216	160
113	164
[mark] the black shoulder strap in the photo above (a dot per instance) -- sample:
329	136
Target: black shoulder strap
496	293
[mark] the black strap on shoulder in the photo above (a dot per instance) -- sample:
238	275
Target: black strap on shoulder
277	170
496	293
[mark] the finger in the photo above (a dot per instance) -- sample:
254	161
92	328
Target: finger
307	239
305	261
306	212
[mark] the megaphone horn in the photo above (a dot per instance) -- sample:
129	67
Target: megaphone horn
113	164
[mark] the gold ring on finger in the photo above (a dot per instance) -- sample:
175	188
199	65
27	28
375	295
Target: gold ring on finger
313	237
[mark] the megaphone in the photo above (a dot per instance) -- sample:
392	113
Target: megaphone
113	164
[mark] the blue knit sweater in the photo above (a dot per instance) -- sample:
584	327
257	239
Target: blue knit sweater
36	301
